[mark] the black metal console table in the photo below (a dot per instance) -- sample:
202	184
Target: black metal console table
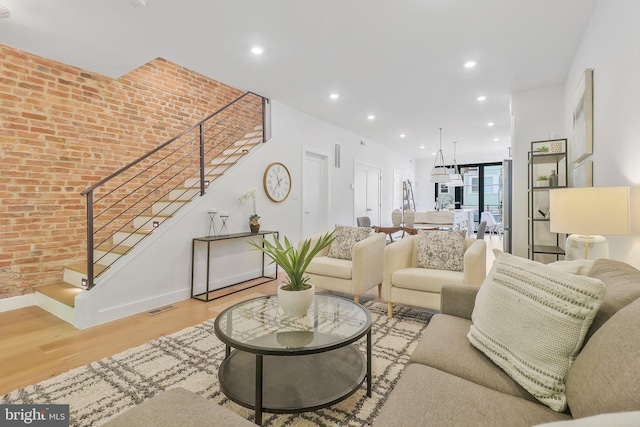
210	239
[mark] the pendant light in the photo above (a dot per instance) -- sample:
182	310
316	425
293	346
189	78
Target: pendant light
456	178
439	172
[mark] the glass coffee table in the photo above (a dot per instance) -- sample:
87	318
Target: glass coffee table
284	364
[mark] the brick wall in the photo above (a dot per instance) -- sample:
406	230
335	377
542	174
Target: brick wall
62	129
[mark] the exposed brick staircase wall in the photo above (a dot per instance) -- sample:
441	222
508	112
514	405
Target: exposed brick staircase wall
64	128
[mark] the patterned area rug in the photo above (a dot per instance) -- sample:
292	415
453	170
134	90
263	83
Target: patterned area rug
190	359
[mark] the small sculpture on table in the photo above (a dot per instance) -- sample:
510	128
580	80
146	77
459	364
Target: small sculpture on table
224	216
212	223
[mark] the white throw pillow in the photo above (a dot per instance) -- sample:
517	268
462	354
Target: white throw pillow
531	320
441	250
345	239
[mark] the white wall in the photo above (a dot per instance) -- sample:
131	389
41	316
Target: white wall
158	271
536	115
611	46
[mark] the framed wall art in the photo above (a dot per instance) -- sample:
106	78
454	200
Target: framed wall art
582	145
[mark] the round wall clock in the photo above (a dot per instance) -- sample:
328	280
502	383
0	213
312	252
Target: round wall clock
277	182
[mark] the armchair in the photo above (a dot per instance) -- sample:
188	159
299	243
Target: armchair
405	283
355	276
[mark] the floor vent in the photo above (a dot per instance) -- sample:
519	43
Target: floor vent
160	310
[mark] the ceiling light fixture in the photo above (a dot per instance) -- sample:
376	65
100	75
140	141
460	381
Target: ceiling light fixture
439	172
469	64
334	96
490	124
371	117
4	12
257	50
481	98
137	3
402	135
456	178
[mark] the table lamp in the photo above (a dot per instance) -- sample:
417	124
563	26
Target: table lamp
586	213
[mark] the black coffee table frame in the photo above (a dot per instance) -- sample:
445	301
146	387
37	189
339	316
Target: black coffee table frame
294	380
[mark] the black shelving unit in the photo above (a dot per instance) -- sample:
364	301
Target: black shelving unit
545	157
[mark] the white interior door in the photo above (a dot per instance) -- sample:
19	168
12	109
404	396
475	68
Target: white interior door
315	194
367	192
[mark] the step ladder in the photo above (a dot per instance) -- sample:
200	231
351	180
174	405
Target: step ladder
408	202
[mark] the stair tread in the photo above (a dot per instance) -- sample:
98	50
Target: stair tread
160	215
167	200
60	291
81	267
113	248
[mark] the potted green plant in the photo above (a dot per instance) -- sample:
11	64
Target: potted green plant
295	295
542	181
543	149
254	223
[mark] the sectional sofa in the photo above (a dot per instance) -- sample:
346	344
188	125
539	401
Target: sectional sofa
449	382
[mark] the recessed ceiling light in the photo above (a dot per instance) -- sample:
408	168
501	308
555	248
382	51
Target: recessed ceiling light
257	50
371	117
481	98
469	64
433	154
402	135
496	139
334	96
422	147
490	124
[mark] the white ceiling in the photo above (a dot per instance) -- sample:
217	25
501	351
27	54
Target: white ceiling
401	60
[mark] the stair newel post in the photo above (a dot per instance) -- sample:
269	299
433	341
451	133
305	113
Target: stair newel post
90	239
202	186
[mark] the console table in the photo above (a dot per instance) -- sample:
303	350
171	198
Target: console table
221	238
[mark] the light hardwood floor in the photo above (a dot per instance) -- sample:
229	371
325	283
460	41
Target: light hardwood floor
36	345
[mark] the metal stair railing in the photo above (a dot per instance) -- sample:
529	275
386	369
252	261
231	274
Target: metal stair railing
132	192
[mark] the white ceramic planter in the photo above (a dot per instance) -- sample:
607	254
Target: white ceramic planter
295	303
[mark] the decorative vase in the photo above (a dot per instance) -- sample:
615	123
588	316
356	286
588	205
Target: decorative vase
409	218
295	303
254	228
294	339
396	217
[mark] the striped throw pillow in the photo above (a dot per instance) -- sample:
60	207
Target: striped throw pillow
531	320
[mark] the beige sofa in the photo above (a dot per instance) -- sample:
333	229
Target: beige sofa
178	407
355	276
449	383
405	283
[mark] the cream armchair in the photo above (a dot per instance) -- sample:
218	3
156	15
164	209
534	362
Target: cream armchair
405	283
355	276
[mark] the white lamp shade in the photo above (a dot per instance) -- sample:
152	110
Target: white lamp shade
456	180
440	174
590	210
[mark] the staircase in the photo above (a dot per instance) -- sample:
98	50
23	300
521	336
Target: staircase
130	210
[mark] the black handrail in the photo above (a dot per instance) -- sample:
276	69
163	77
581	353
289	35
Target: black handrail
214	138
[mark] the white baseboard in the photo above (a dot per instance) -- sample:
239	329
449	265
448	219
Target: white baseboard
14	303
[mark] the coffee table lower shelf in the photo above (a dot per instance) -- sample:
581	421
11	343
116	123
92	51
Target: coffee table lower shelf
294	384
